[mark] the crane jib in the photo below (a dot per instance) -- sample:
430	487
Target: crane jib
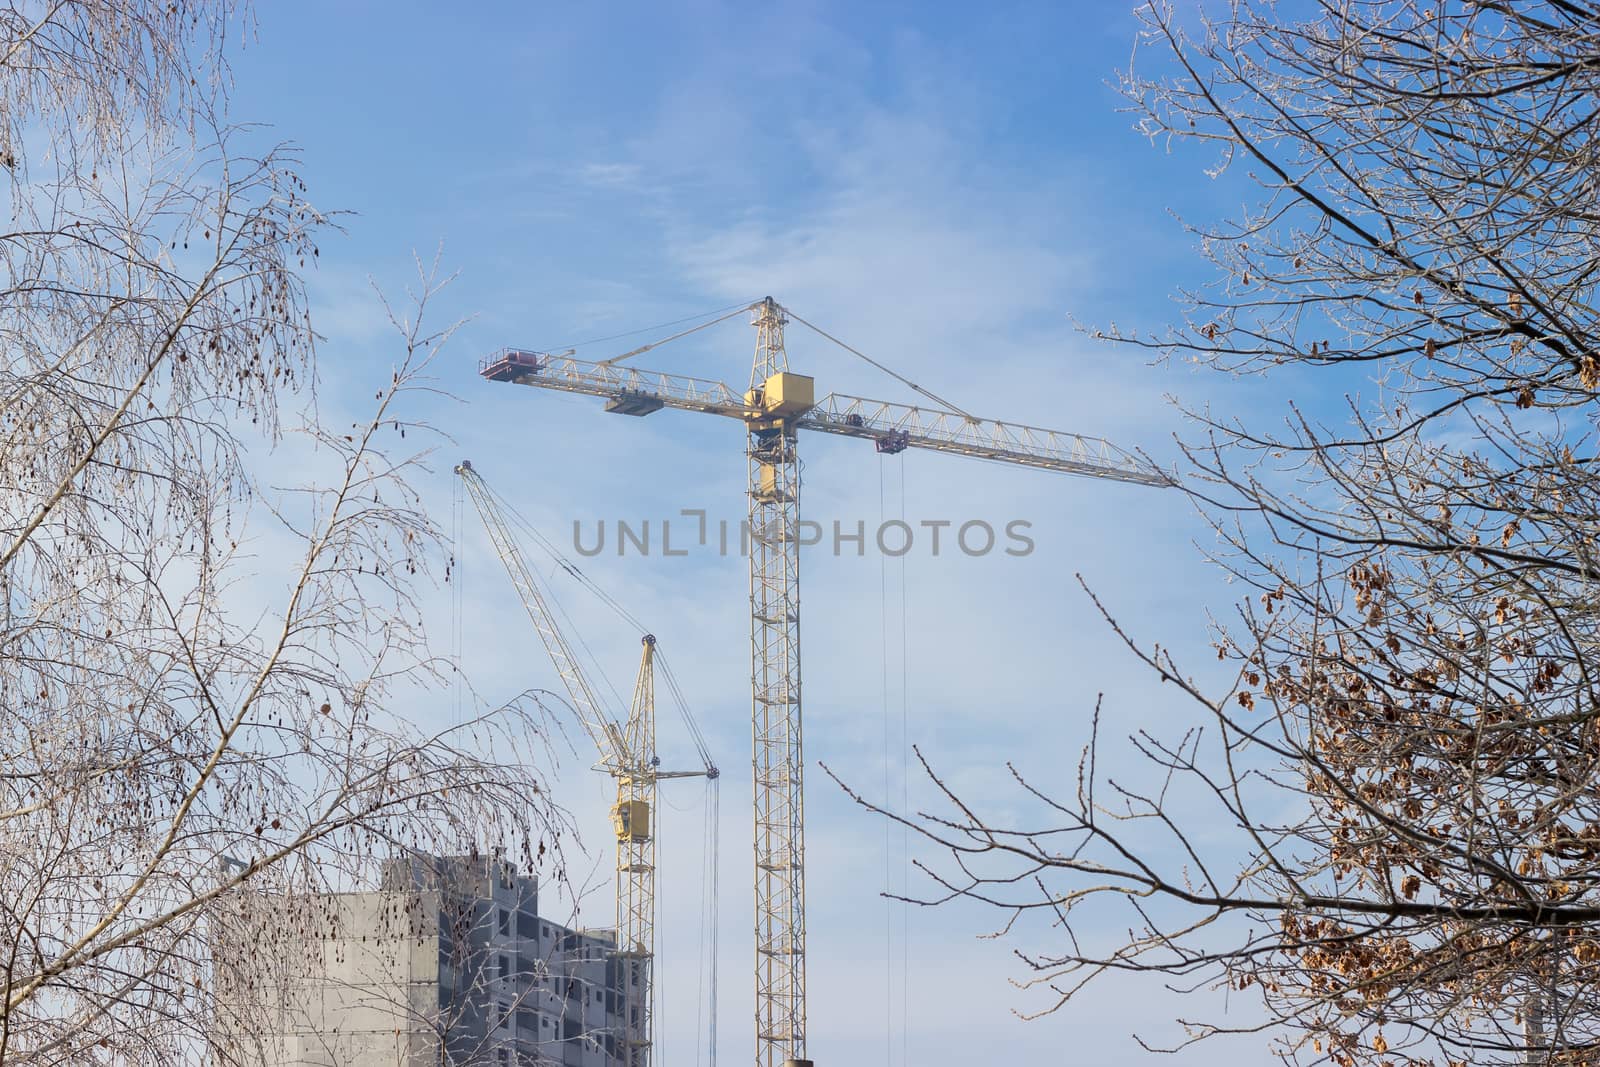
891	426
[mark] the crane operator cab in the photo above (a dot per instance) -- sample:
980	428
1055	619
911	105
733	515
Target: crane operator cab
631	819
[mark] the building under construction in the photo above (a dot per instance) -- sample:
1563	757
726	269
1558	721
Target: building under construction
448	962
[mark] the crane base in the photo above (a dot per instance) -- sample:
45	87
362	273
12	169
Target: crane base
796	1063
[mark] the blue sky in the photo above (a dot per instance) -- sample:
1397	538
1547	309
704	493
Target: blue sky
939	185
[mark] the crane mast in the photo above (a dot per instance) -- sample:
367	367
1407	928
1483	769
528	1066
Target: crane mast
628	754
778	404
636	863
778	761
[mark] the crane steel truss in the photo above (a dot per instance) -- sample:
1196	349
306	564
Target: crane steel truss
778	761
631	391
777	406
628	755
636	863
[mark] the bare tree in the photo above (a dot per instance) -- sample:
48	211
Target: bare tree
1388	828
209	583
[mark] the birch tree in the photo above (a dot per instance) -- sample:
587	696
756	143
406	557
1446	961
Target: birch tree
1384	835
210	575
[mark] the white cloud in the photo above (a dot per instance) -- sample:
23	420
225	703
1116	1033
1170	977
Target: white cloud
880	215
609	175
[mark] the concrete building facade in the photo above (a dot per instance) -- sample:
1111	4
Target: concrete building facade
448	964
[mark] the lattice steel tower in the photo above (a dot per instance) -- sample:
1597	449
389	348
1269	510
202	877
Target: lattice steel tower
779	764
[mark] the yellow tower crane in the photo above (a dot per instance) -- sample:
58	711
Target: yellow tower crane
628	755
776	407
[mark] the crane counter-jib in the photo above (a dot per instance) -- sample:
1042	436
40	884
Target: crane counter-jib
614	382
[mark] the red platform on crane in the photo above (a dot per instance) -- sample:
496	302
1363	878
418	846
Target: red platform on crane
509	364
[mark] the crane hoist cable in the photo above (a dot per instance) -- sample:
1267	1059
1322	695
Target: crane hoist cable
573	346
521	524
723	315
905	798
888	863
710	881
710	843
896	764
453	575
936	398
516	521
684	333
689	722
